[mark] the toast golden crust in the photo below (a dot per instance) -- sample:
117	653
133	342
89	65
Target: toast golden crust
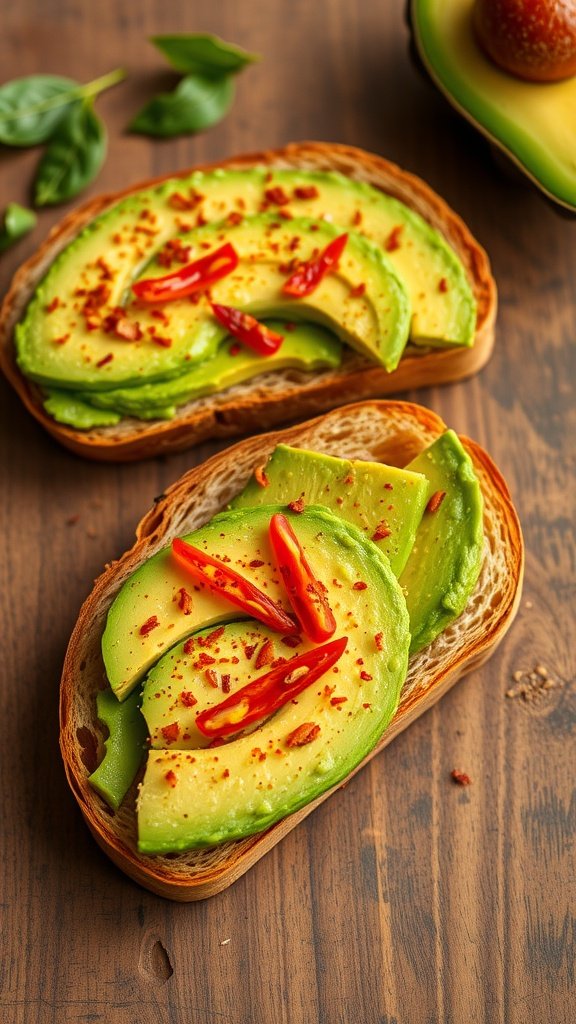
388	431
265	401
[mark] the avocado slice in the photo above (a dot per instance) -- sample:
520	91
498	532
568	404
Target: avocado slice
72	409
191	798
445	562
534	123
374	497
123	749
305	347
69	350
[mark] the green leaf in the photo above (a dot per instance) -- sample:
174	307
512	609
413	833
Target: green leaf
18	221
31	107
73	157
203	55
196	103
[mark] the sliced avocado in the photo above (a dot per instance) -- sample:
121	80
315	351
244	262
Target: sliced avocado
65	349
378	499
444	564
124	748
72	409
533	122
191	798
305	347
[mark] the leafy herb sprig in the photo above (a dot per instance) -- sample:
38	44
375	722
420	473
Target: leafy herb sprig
57	111
205	93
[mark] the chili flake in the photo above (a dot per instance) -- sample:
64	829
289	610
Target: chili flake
360	585
265	655
435	501
105	360
297	505
52	305
381	532
149	625
366	677
170	732
260	476
337	701
379	641
226	683
358	291
443	285
460	778
277	195
393	240
170	777
303	734
184	601
188	699
306	192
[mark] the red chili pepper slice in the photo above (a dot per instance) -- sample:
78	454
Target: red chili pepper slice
248	330
306	594
307	278
265	695
233	587
194	277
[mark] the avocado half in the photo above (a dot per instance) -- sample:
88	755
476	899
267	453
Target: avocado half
533	123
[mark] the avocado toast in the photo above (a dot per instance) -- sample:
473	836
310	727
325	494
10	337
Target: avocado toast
387	432
140	379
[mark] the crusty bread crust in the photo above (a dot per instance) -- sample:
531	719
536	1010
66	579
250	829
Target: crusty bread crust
273	397
392	432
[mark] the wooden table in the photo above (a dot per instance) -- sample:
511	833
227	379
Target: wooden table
404	899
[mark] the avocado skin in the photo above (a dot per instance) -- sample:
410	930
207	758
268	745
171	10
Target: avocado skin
123	749
366	494
248	809
445	562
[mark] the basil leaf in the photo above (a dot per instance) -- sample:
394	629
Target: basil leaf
18	221
31	107
203	55
196	103
73	158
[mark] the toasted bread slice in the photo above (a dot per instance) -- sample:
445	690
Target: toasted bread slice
272	397
392	432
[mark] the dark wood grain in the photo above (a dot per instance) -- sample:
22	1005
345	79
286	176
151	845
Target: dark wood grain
404	899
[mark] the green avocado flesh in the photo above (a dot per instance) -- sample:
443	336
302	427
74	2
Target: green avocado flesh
534	122
124	748
370	495
397	277
194	796
305	347
445	562
375	322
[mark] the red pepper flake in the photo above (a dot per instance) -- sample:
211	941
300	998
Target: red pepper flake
435	501
162	341
328	690
349	479
303	734
178	201
170	732
358	291
460	778
255	563
360	585
337	701
249	650
257	752
234	217
170	777
297	505
159	314
277	195
442	285
393	240
217	742
235	348
128	330
208	641
260	476
149	625
285	214
188	699
184	601
226	683
306	192
381	532
357	218
388	487
105	360
204	659
265	655
105	272
189	646
366	705
366	677
226	773
291	641
61	340
52	305
211	677
360	661
379	641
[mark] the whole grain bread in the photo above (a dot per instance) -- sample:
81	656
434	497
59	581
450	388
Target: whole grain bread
391	432
284	395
